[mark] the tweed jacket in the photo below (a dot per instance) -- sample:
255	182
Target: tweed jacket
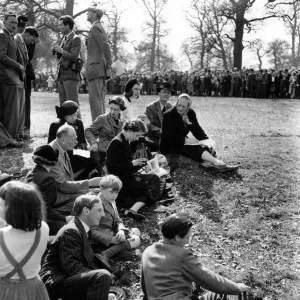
71	47
98	54
168	272
10	60
174	131
63	175
155	116
22	48
47	186
103	129
66	257
109	225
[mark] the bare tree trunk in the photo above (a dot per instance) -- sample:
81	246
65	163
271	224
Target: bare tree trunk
153	46
69	7
259	58
158	46
238	41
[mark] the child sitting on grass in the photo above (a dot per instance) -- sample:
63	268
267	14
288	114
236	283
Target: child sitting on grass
109	238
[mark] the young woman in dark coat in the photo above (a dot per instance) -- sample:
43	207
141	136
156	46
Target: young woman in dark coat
137	191
177	123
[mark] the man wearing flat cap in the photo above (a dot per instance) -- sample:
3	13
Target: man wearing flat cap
98	62
155	110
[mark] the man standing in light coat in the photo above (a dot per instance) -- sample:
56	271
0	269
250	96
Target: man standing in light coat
98	62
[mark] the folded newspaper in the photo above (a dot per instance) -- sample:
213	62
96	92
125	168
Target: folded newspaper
83	153
154	168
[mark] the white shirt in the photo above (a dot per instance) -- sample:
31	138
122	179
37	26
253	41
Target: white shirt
127	114
19	243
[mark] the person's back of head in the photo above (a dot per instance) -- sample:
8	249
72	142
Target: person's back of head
21	205
175	225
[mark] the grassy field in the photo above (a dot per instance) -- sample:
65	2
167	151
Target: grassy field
247	224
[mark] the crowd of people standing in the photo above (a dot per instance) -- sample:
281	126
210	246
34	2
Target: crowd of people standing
246	83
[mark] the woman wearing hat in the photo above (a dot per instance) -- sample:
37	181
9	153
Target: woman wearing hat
103	129
177	123
45	157
67	113
132	92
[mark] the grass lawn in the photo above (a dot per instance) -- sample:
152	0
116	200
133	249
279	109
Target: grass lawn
246	224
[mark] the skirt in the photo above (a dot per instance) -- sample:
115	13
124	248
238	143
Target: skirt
31	289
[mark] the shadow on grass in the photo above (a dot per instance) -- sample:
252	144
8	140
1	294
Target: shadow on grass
197	184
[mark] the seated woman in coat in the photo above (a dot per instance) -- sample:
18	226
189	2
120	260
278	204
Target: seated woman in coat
103	129
67	113
177	123
137	191
45	157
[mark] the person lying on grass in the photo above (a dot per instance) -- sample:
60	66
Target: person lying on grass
111	237
177	123
169	269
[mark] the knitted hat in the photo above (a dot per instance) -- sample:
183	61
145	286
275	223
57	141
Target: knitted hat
45	155
68	108
97	11
130	83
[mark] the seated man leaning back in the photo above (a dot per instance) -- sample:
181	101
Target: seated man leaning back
67	188
154	112
169	269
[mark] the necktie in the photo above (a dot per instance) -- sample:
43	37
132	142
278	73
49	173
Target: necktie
163	110
66	159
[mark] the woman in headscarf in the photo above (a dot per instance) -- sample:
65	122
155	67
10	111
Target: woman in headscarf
177	123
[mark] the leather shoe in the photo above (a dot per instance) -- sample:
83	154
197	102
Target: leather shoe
226	168
15	144
135	215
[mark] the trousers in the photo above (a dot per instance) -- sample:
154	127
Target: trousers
68	90
97	92
92	285
12	108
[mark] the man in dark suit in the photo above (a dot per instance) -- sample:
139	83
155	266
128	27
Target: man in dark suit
24	40
169	269
67	188
154	111
99	61
11	80
29	72
67	53
70	268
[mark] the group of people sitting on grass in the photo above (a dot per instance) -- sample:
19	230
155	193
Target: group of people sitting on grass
81	196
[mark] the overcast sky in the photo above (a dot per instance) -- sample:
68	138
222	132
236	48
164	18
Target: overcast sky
179	29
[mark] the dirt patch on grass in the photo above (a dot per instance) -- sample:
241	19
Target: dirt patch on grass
247	223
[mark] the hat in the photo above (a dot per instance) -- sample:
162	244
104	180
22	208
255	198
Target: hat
130	83
166	86
97	11
22	21
45	155
68	108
